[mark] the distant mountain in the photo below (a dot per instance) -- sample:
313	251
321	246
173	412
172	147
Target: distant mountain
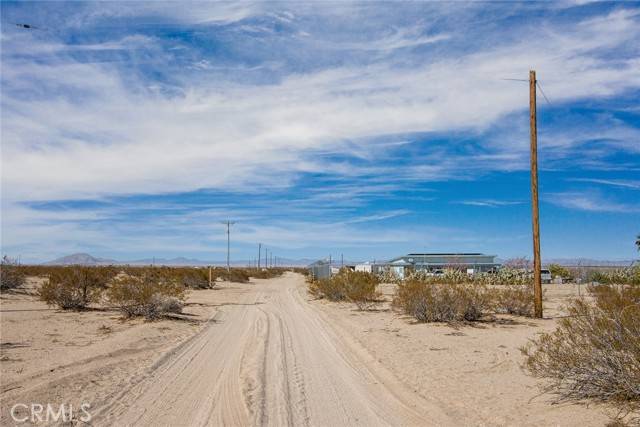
86	259
179	261
81	259
587	262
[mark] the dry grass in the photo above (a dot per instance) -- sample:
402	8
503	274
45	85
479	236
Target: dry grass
595	352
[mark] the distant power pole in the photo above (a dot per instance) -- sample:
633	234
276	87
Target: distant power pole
259	254
228	224
341	260
537	280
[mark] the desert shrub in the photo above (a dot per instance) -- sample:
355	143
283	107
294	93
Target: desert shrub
361	288
194	278
357	287
74	288
595	352
333	290
147	294
437	302
11	275
513	299
265	273
237	275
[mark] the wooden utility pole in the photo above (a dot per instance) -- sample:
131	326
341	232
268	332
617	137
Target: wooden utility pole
228	224
210	276
537	280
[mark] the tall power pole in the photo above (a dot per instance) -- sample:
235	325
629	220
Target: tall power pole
537	280
228	224
259	254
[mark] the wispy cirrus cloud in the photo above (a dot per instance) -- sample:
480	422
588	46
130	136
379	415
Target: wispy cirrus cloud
591	202
490	203
340	110
623	183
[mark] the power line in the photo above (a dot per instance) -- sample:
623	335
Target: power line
542	92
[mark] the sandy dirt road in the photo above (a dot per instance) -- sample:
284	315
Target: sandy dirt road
272	359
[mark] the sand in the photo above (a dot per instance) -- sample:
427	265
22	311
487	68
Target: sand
265	353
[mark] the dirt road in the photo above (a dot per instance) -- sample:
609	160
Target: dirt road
272	359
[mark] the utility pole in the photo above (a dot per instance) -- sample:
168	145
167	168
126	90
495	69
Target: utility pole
228	224
537	280
259	254
341	260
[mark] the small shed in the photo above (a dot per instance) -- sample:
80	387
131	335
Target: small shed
320	269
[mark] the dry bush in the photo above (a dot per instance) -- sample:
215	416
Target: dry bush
361	288
428	301
513	299
74	288
265	273
11	275
333	290
357	287
149	295
190	277
237	275
595	352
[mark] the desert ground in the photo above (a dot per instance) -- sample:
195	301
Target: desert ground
266	353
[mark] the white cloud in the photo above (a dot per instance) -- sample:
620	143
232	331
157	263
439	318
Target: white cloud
624	183
490	203
591	202
117	140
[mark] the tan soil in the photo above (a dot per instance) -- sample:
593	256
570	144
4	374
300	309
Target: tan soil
265	353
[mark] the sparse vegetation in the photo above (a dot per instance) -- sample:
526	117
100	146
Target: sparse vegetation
74	288
626	276
147	294
11	276
357	287
595	351
439	302
513	299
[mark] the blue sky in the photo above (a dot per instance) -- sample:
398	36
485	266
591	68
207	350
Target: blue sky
131	130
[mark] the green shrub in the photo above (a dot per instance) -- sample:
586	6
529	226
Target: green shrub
595	352
74	288
427	301
11	275
149	295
